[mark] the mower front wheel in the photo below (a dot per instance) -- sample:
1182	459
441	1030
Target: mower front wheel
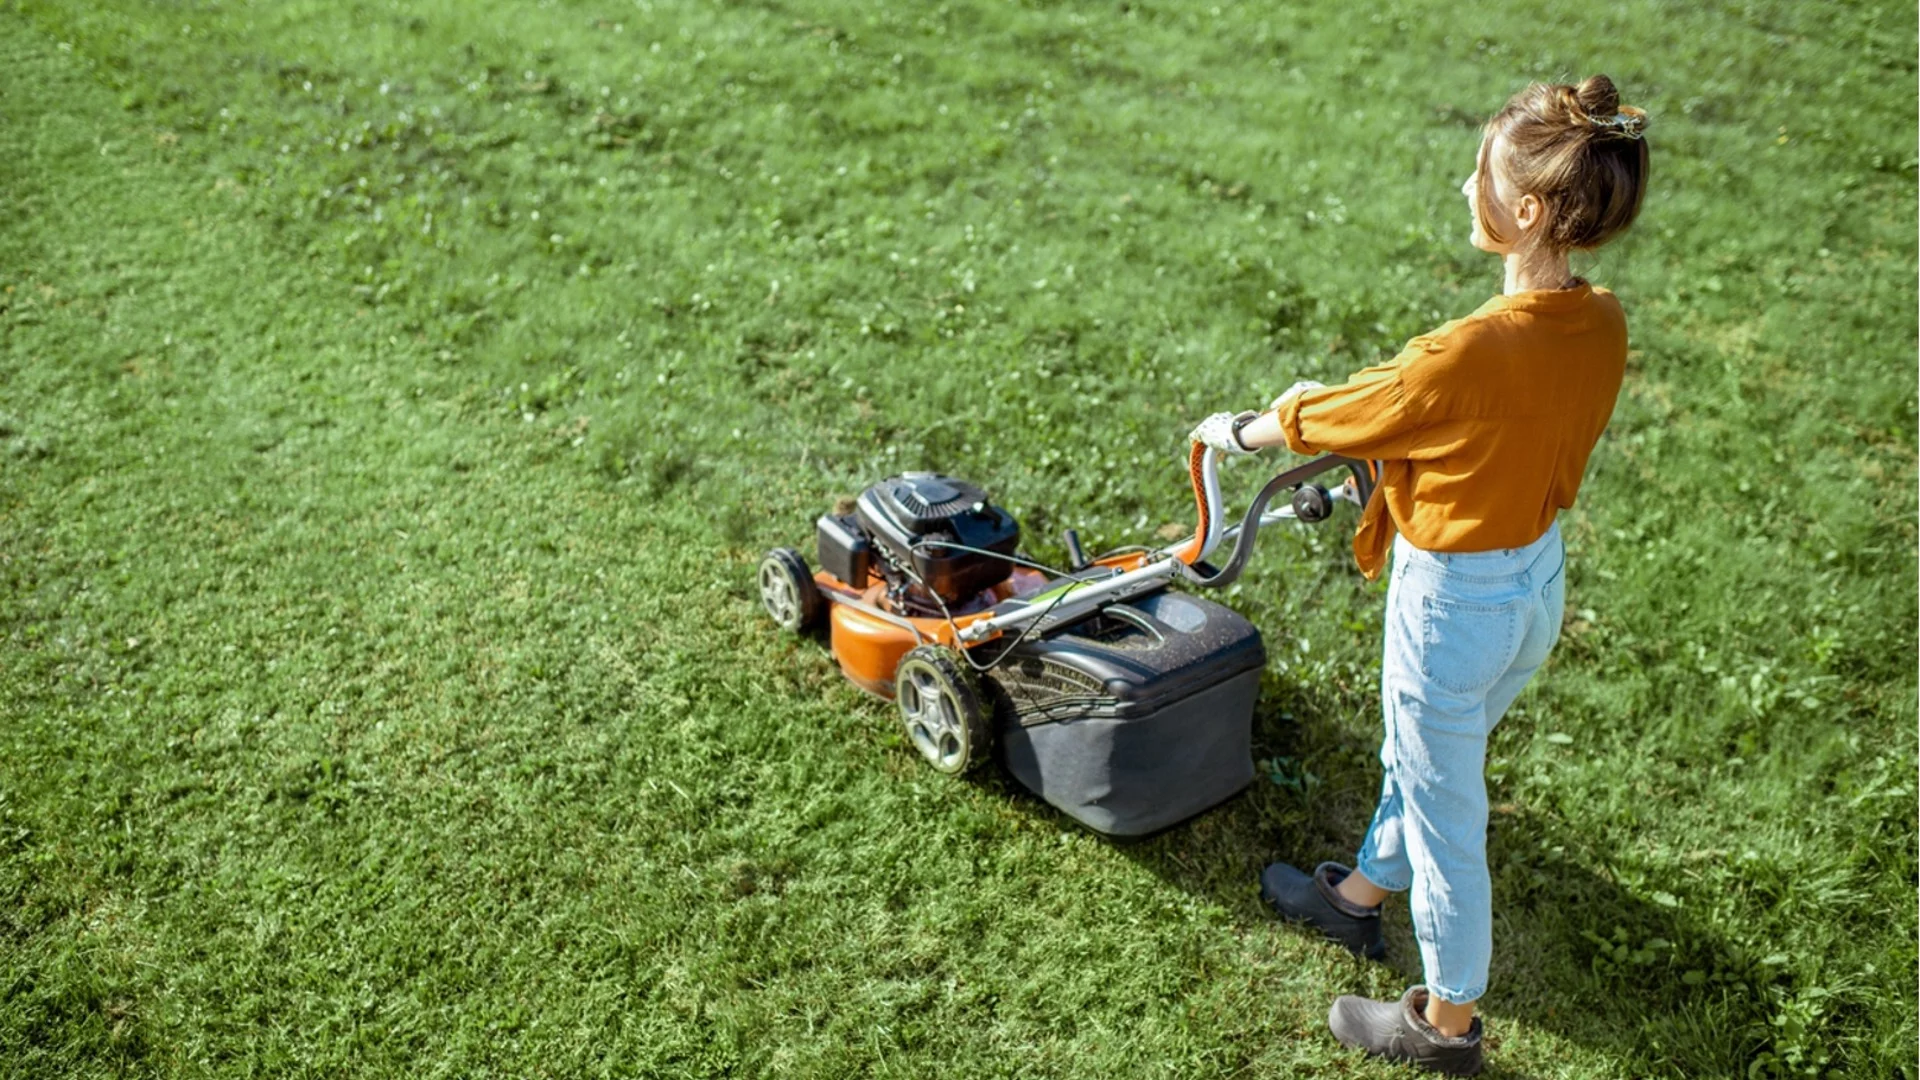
947	717
787	590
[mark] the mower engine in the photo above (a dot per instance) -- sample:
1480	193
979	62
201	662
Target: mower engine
900	531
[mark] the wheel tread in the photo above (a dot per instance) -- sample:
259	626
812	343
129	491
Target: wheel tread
792	565
973	706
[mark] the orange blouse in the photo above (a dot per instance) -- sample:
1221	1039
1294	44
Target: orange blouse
1482	427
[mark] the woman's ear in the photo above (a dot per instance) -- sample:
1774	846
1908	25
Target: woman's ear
1529	212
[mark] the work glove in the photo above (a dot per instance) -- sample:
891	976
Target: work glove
1218	431
1295	391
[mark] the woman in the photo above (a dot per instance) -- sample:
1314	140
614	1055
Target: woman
1483	429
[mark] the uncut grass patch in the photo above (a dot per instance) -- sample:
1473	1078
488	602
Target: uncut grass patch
396	399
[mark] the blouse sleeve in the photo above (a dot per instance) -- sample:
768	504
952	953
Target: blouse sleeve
1374	414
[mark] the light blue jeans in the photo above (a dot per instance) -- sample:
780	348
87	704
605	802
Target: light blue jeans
1464	633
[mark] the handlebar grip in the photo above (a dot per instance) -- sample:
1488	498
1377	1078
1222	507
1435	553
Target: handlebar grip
1363	476
1196	470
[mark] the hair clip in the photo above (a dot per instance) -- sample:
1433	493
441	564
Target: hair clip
1632	125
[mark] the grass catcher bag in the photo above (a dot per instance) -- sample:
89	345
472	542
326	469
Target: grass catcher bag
1137	717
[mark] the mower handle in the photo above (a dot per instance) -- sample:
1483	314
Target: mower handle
1175	562
1204	466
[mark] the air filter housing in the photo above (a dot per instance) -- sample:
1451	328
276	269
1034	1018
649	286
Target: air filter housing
908	515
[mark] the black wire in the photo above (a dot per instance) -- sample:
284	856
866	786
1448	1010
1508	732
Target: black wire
1028	563
1025	631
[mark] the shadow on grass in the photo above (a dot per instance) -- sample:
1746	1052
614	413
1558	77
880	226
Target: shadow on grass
1575	953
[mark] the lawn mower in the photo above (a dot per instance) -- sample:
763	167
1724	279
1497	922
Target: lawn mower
1124	703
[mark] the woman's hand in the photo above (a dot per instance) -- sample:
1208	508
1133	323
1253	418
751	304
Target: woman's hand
1221	432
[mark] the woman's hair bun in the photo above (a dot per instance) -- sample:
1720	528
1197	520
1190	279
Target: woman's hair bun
1593	108
1598	97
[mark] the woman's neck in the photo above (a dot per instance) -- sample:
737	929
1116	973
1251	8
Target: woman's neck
1537	269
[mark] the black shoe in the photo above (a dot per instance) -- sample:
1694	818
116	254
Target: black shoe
1311	899
1398	1031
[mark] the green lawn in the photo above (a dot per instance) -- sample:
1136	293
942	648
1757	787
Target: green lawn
397	398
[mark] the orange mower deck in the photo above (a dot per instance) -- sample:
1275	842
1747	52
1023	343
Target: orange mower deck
869	646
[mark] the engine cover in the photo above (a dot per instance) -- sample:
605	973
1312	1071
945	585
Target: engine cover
907	516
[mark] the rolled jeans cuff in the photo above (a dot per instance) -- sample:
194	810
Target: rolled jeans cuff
1367	868
1453	997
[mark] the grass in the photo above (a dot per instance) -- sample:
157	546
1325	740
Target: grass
396	399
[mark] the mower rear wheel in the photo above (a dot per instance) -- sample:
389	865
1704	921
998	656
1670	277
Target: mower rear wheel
787	590
946	716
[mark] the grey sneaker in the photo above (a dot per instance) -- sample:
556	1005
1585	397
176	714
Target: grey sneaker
1398	1031
1311	899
